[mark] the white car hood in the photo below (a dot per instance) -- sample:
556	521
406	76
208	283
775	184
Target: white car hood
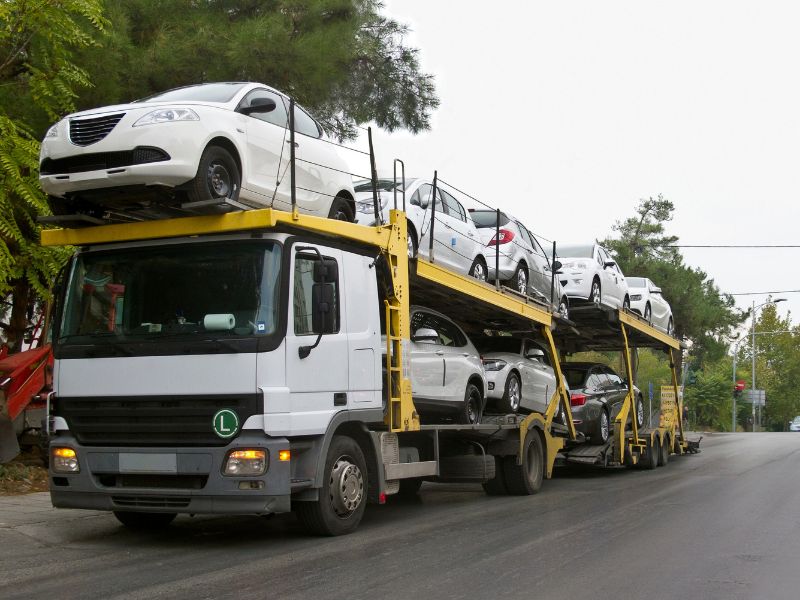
144	106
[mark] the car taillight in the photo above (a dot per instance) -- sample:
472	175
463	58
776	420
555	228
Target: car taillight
577	399
506	235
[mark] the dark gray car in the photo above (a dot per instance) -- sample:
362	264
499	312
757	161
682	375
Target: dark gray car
597	394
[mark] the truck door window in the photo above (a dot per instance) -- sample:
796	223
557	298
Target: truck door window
304	282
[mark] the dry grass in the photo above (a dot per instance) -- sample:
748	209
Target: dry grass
24	475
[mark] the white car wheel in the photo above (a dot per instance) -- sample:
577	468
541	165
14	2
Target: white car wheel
217	176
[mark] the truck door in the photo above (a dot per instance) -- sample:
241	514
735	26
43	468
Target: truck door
318	382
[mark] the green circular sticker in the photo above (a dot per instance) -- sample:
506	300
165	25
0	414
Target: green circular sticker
226	423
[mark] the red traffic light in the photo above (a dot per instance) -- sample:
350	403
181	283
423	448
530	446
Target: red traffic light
740	385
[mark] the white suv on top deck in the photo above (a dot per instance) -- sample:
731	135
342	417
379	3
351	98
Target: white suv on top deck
211	143
592	275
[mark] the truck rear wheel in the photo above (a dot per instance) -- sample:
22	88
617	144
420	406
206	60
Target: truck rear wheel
342	498
663	456
144	521
652	454
525	479
496	486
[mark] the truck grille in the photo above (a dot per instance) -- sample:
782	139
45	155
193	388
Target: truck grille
102	161
152	420
83	132
151	501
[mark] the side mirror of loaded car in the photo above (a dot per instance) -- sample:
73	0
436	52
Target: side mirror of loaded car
557	266
655	290
535	354
609	263
259	105
424	202
425	336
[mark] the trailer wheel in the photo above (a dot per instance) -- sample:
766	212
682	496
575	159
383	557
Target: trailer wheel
652	454
663	456
144	521
525	479
342	498
496	486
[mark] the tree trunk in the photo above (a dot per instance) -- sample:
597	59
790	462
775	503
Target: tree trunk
18	323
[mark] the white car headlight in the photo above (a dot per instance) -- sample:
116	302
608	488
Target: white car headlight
52	133
167	115
578	264
368	206
493	364
636	297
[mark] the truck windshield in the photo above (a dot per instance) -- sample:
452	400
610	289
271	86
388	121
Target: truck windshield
183	291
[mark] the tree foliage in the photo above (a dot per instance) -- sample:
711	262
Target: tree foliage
38	82
340	58
701	312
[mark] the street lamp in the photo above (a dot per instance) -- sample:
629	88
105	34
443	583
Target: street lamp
753	352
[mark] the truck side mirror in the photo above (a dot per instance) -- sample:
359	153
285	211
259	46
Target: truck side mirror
323	298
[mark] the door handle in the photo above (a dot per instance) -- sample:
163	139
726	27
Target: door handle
440	353
465	354
296	145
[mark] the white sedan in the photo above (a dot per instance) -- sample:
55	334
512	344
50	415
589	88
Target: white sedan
457	242
210	145
647	300
592	275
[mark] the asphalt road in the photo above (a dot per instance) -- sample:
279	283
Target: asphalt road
721	524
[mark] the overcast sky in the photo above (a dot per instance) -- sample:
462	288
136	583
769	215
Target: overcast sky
567	113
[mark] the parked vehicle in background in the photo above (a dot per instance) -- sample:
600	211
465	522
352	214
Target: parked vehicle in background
794	424
592	275
596	397
519	373
524	265
447	376
647	300
212	143
457	244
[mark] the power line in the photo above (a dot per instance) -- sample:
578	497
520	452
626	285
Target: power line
732	246
766	293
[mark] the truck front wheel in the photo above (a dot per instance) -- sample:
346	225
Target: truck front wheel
144	521
342	498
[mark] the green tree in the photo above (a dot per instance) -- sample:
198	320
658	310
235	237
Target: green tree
38	82
702	313
709	399
340	58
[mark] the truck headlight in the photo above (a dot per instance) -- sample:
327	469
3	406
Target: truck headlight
167	115
245	463
64	460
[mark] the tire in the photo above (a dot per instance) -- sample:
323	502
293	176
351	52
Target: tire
496	486
639	412
670	327
341	210
472	408
525	479
217	176
342	499
600	436
144	521
512	397
409	487
478	269
563	308
520	279
648	314
596	294
626	304
412	243
650	459
663	456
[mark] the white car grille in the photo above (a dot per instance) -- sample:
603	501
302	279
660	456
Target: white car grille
83	132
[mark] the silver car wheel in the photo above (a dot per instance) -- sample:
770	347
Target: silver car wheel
639	413
522	280
478	271
595	295
410	245
603	426
513	394
564	309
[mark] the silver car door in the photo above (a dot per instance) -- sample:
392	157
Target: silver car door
427	359
267	158
538	376
542	268
458	360
462	234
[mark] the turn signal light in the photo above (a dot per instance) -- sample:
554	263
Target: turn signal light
284	455
577	399
246	463
64	460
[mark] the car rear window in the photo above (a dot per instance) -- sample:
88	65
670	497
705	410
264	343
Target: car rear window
574	377
487	218
576	251
206	92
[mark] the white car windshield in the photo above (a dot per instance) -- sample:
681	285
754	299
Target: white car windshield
207	92
576	251
637	282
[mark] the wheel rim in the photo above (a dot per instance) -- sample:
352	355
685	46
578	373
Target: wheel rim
670	327
472	407
219	180
522	281
341	215
478	272
626	304
346	486
603	426
596	293
640	413
410	244
513	394
648	315
563	309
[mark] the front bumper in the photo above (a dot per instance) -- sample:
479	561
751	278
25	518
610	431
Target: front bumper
578	285
496	383
191	482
